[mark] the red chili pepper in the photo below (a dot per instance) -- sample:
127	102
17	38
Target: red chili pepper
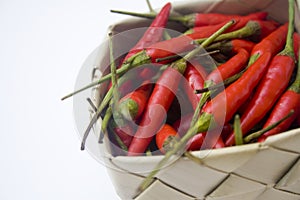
231	67
290	100
231	46
183	43
154	33
267	27
164	136
133	104
273	84
194	75
155	112
273	43
195	143
162	98
199	141
223	107
202	19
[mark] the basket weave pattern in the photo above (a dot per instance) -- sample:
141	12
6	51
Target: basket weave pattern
270	170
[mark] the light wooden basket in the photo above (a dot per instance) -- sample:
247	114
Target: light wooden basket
259	171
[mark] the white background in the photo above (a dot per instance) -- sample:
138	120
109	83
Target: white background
42	47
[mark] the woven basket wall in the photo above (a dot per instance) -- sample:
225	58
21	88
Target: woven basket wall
265	171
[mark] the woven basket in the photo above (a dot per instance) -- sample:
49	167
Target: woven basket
260	171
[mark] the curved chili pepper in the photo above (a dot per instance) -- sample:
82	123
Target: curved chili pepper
155	112
237	93
231	46
273	43
164	136
183	43
154	33
199	141
267	27
200	19
231	67
195	75
290	100
272	85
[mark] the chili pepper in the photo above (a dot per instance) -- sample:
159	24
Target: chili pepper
183	43
164	137
199	141
154	33
257	134
171	47
273	43
267	27
238	92
194	75
290	100
254	29
162	97
234	65
231	46
272	85
200	19
132	105
182	125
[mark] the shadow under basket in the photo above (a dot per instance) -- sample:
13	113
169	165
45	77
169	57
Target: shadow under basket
257	171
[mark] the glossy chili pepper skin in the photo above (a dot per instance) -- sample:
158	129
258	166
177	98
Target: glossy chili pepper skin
195	75
154	33
200	141
269	90
231	47
164	136
133	104
155	112
202	19
231	67
273	84
288	101
273	43
223	107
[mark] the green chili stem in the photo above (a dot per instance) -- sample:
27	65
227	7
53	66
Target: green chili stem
289	45
238	134
134	61
250	29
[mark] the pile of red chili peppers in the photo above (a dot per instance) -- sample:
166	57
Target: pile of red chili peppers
255	76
